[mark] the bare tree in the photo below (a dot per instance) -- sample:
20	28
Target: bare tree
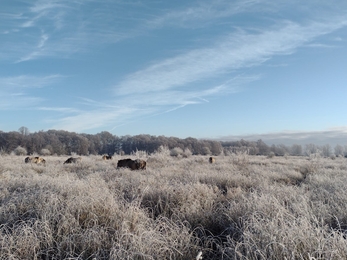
263	148
216	148
310	149
296	149
326	150
339	150
24	130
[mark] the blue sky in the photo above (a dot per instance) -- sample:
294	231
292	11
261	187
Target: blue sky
205	69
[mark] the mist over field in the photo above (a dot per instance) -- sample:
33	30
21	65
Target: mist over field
332	137
180	207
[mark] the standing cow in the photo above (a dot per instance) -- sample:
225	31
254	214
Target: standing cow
140	164
37	160
137	164
212	160
73	160
107	157
126	163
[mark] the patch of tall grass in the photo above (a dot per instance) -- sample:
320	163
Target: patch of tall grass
240	207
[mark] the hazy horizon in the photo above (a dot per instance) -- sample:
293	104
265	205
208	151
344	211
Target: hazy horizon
332	137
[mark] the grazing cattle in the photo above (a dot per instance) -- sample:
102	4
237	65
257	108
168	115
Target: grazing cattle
37	160
212	160
73	160
107	157
132	164
126	163
140	164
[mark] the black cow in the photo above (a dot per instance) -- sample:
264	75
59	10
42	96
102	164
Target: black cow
137	164
73	160
212	160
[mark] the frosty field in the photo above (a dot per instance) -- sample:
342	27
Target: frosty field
240	207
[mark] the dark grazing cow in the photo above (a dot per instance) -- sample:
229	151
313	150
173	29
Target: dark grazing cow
125	163
37	160
107	157
137	164
73	160
140	164
212	160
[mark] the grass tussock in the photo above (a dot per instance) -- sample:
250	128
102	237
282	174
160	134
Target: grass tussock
240	207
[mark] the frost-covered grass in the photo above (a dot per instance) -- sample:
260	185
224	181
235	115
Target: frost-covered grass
241	207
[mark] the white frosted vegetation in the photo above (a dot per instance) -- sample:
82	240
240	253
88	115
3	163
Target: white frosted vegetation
241	207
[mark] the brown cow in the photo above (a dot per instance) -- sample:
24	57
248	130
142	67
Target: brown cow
37	160
132	164
212	160
140	164
73	160
107	157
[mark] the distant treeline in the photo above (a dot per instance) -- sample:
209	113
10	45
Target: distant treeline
61	142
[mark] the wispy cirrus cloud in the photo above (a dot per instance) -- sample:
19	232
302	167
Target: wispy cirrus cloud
59	109
119	111
16	92
48	28
175	82
28	81
61	28
93	119
199	14
200	71
235	51
17	101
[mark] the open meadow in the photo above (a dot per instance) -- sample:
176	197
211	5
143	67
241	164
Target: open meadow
240	207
